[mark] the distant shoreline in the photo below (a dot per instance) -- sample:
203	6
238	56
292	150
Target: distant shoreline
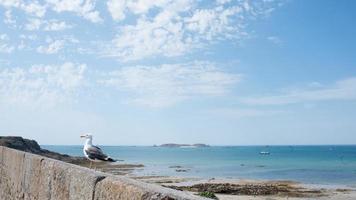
210	145
172	145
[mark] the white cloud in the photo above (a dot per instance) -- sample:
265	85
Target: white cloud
21	45
52	48
216	22
42	85
8	19
178	27
5	46
143	6
31	37
83	8
35	24
161	28
117	9
168	84
10	3
158	35
55	25
149	39
222	2
33	7
341	90
26	40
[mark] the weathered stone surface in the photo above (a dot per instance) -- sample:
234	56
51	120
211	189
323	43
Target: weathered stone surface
1	150
111	188
26	176
1	171
60	181
82	182
32	175
12	174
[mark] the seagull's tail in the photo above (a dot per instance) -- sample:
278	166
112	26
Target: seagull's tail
110	159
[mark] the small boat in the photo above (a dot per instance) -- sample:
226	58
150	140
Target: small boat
264	153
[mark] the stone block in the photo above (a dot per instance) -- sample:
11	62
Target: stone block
12	174
2	174
63	181
82	182
112	188
32	176
54	180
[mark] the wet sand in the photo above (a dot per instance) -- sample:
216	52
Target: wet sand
229	189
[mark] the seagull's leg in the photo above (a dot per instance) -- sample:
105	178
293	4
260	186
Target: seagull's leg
91	162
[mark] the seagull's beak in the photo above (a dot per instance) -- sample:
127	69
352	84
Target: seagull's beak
82	136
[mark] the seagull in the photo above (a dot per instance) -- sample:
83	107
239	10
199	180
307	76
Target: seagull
94	153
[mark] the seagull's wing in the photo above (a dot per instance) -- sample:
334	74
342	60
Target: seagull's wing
95	152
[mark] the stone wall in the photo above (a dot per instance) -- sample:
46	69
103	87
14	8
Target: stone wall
28	176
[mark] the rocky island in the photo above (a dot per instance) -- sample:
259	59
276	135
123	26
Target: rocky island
31	146
183	145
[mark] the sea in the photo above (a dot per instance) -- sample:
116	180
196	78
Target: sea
326	165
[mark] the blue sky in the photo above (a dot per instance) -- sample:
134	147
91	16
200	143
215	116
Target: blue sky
144	72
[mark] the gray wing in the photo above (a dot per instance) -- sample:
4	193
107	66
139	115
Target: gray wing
96	153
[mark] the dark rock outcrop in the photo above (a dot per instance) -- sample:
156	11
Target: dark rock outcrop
32	146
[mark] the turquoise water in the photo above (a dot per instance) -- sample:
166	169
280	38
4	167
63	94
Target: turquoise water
307	164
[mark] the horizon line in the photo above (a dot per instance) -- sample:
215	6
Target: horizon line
212	145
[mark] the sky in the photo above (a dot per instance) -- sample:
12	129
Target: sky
141	72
